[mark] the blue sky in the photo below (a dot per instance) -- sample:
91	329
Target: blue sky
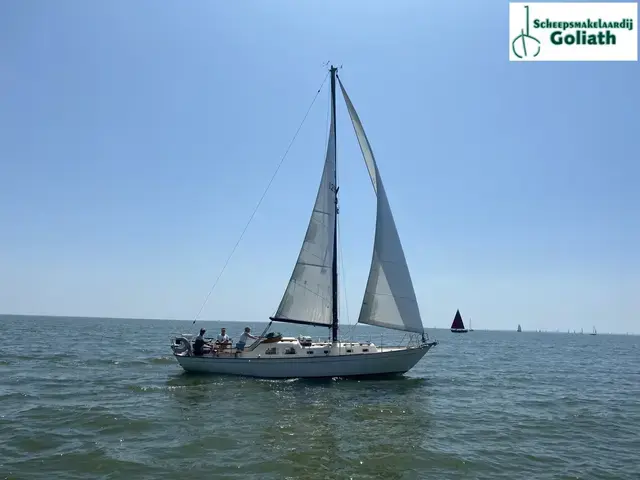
137	137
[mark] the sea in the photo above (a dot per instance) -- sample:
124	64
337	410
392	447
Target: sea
89	398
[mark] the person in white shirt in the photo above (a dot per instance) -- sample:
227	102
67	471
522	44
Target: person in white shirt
243	338
223	340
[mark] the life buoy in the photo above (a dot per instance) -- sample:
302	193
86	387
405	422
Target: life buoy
181	346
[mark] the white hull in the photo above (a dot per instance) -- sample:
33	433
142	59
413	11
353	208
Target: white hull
335	363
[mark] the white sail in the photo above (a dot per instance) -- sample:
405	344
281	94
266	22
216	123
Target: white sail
309	294
389	299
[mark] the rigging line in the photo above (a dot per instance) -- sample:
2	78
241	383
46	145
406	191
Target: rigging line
342	269
342	274
328	127
261	198
344	279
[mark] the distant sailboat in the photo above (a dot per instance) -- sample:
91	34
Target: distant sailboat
470	329
519	328
594	331
458	325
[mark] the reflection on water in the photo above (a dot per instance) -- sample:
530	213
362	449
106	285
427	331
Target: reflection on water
313	428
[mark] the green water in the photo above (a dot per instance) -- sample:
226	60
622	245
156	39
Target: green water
89	398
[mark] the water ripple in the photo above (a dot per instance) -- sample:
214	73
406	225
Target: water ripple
485	405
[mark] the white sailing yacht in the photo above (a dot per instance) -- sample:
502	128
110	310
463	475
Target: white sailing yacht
311	297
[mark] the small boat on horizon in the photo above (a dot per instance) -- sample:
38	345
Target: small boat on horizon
594	331
519	328
458	325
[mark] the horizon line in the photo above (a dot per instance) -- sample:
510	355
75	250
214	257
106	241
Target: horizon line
318	326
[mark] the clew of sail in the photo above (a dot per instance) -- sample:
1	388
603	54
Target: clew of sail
389	299
308	297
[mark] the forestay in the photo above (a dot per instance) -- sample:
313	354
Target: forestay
309	294
389	299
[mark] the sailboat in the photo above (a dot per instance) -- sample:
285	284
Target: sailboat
594	331
458	326
519	328
470	328
311	296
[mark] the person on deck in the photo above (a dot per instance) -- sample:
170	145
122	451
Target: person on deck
243	338
223	341
223	337
200	342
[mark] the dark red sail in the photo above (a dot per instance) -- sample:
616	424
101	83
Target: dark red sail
457	322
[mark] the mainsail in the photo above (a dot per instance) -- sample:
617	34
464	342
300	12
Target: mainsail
308	298
389	299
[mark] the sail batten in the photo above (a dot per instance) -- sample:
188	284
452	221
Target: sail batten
308	298
389	300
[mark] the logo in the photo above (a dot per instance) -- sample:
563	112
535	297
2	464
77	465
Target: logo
573	31
524	38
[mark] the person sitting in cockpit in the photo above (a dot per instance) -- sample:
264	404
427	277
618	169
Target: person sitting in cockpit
200	343
223	340
223	337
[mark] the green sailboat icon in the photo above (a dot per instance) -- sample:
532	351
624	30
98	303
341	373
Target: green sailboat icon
522	39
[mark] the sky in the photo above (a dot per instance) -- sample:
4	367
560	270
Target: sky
136	138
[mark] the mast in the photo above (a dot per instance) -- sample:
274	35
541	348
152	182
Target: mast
334	324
